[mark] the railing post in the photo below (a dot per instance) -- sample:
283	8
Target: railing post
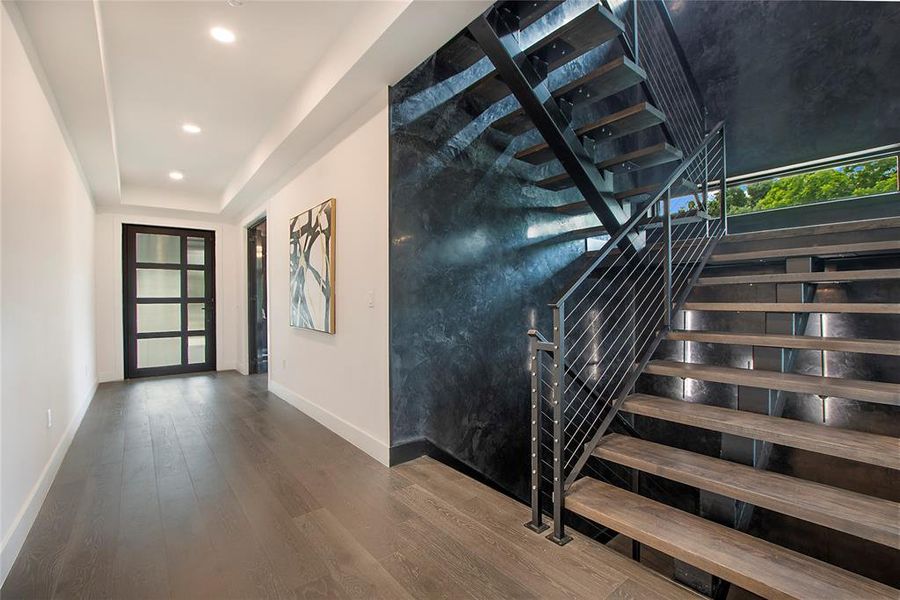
723	210
558	534
536	523
667	240
706	187
636	36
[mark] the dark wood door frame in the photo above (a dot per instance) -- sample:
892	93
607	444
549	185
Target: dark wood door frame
130	301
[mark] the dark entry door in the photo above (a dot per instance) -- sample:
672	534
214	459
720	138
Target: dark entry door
169	300
257	297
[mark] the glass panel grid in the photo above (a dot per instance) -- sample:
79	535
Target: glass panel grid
158	283
196	284
158	352
158	248
155	318
196	349
196	251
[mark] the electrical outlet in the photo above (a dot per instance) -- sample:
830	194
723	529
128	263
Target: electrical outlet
49	418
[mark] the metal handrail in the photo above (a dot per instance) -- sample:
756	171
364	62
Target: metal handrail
817	164
616	324
638	214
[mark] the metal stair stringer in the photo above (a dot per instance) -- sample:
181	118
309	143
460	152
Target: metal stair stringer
530	89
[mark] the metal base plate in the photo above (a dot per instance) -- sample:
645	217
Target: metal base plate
537	528
560	541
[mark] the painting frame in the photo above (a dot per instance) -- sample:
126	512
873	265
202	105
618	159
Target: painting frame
311	264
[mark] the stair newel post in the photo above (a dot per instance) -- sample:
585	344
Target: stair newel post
723	216
667	266
536	523
558	534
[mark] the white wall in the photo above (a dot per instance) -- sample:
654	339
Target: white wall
341	380
110	329
46	296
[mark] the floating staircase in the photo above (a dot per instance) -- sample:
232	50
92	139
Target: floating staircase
601	103
583	99
839	272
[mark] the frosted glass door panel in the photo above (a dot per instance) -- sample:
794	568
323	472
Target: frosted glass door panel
158	352
196	316
196	251
158	248
155	318
196	284
158	283
196	349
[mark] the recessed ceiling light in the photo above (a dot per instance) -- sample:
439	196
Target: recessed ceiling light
176	175
220	34
191	128
235	3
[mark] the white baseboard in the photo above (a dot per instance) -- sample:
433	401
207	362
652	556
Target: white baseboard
15	537
350	432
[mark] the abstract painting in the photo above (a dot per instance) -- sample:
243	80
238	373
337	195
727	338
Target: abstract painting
312	268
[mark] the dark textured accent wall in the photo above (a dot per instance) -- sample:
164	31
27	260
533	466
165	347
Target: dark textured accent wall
475	257
795	81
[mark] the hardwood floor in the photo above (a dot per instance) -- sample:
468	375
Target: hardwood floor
207	486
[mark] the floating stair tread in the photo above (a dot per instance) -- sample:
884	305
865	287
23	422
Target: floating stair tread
816	251
751	563
608	79
529	12
811	342
864	516
855	389
630	120
880	450
643	190
869	308
584	207
643	158
816	277
556	38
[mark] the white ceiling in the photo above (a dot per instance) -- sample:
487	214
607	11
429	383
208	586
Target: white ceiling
125	76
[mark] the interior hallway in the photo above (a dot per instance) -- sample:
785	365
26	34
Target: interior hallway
209	486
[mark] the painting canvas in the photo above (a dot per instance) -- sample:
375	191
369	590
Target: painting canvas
312	268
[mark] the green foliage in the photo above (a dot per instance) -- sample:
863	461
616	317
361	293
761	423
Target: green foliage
865	179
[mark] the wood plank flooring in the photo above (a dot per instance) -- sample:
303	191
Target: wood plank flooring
206	486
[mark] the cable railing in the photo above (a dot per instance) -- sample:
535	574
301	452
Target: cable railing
651	42
607	325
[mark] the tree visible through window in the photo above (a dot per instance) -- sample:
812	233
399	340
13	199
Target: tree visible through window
848	181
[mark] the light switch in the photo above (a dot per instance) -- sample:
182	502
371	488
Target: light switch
371	298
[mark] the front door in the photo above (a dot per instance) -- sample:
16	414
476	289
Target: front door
169	300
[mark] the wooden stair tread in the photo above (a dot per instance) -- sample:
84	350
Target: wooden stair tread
854	389
769	340
609	78
753	564
556	38
643	190
817	251
871	308
816	277
864	516
529	12
624	122
863	447
643	158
